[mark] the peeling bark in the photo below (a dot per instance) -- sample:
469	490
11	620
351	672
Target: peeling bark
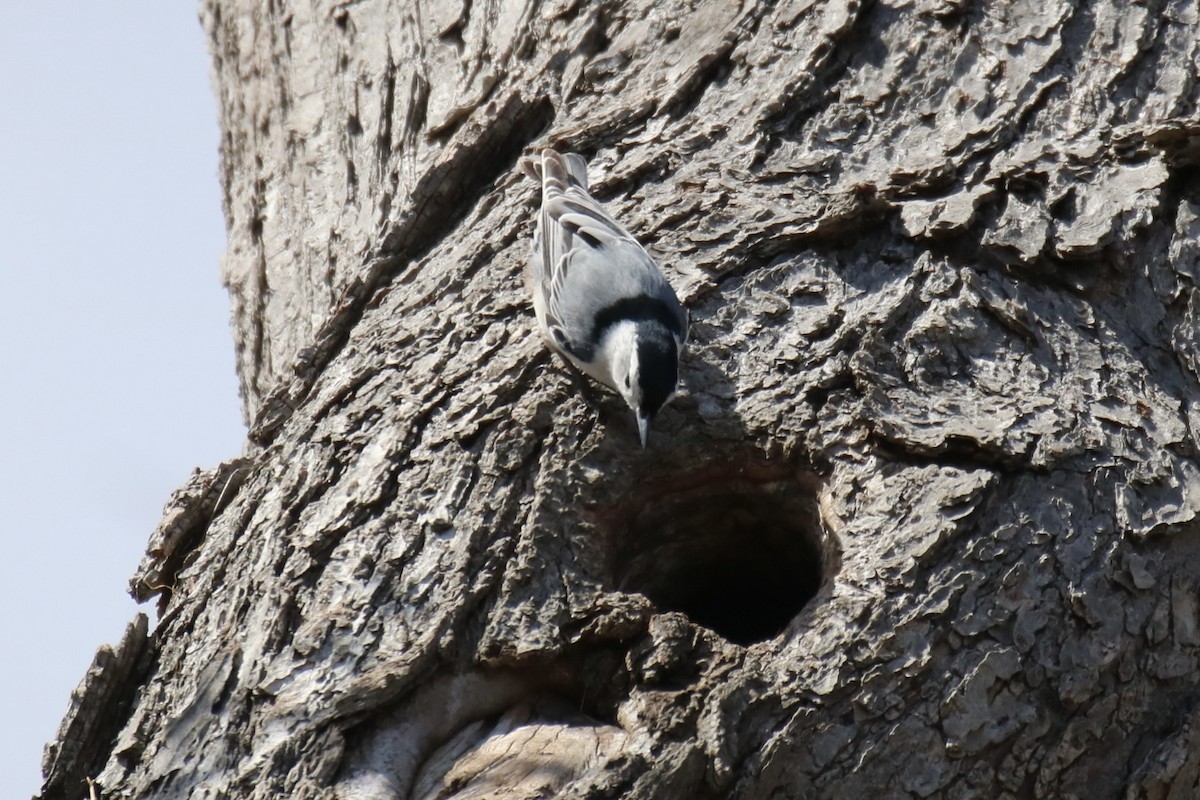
923	525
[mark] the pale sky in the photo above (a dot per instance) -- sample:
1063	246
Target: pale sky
118	373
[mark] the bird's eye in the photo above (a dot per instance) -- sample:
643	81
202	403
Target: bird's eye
626	381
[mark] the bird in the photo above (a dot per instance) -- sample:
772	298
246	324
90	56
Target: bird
601	301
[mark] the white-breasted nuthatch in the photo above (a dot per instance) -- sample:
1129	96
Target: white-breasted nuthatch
600	300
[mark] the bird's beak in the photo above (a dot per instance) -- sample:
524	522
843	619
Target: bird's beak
643	428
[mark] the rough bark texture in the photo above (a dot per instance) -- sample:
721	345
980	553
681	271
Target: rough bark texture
924	524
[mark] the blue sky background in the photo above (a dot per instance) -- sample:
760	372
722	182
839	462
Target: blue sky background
118	373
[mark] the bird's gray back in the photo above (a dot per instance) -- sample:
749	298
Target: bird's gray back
595	280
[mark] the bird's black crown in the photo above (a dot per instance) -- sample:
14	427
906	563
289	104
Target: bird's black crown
658	366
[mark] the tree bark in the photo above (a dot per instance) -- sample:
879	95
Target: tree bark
923	524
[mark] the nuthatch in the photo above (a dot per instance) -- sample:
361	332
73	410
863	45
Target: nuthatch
600	300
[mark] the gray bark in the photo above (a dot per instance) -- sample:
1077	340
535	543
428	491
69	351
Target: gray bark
924	524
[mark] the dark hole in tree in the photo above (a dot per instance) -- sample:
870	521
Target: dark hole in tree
741	560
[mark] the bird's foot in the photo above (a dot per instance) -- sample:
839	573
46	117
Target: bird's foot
587	389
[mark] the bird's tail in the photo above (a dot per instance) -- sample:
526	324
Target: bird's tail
563	169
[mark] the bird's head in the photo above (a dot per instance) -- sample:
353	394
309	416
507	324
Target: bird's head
647	373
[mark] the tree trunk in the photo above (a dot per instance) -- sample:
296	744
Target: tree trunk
923	524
